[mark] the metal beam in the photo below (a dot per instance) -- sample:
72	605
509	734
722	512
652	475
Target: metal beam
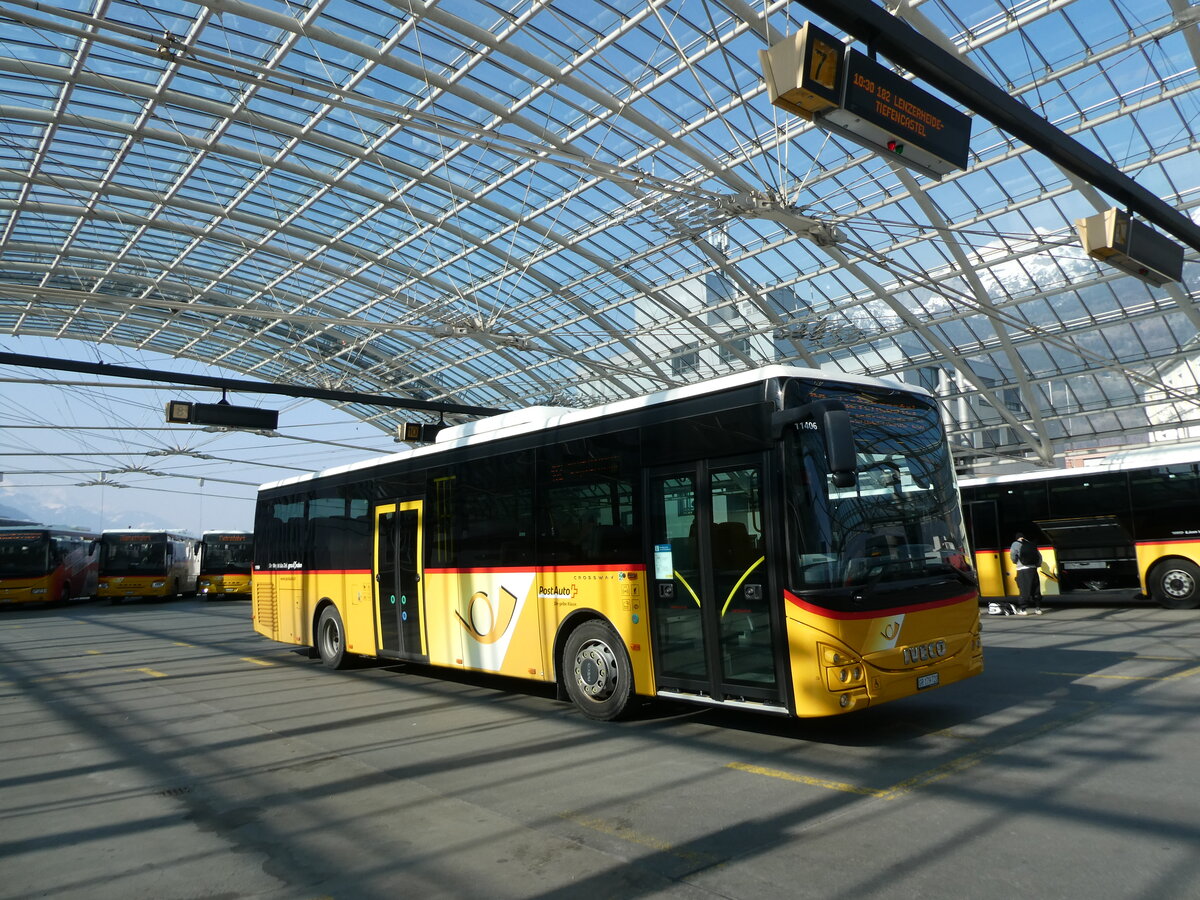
243	385
905	46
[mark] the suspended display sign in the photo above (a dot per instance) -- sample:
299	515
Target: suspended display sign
804	71
814	75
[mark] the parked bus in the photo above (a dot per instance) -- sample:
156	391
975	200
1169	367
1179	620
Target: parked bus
225	561
135	563
46	565
778	540
1128	525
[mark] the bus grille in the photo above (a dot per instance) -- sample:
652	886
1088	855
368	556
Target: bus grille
266	611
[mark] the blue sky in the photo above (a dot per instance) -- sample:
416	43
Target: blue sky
59	431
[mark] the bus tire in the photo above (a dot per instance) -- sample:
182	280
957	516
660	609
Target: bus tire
596	670
331	639
1176	584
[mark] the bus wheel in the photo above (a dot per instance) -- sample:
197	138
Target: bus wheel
331	639
599	678
1177	584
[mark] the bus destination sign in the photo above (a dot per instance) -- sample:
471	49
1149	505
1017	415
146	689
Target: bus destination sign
914	122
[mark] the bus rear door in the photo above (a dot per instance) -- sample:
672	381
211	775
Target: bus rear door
398	576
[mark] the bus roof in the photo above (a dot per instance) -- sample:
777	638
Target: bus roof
51	529
1121	461
166	532
537	418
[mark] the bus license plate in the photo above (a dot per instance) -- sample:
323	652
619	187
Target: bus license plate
925	681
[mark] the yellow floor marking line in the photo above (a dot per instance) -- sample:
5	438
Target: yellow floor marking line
805	779
151	672
257	662
62	677
950	733
1187	673
94	652
182	644
627	834
937	773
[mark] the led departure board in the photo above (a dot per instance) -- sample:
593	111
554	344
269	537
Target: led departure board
814	75
913	117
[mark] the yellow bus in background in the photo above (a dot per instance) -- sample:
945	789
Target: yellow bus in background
225	561
780	540
1125	526
137	563
46	565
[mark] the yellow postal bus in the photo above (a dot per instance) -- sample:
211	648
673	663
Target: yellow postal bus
46	565
778	540
225	561
135	563
1127	526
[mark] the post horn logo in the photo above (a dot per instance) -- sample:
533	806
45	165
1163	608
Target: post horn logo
891	630
487	621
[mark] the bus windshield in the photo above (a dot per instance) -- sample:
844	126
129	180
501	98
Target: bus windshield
899	522
132	555
226	556
24	555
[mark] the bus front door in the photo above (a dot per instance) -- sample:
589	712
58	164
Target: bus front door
398	588
711	615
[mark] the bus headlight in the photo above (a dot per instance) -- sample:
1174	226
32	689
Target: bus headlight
831	656
158	584
37	590
847	676
843	671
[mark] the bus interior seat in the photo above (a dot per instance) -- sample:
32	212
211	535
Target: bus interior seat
733	547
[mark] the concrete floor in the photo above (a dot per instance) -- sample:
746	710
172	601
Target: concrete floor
164	750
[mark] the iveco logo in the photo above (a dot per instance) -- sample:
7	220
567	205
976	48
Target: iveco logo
924	652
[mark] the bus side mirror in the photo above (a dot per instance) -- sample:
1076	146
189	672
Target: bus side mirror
839	447
832	419
93	546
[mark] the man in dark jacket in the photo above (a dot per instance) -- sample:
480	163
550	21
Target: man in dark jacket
1028	560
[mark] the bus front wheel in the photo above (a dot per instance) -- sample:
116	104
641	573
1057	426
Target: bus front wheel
331	639
1176	584
596	669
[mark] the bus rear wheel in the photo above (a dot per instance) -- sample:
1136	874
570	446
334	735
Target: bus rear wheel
331	639
1176	584
597	672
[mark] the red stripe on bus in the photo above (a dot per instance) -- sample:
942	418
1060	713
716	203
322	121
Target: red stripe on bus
311	572
633	568
1148	542
875	613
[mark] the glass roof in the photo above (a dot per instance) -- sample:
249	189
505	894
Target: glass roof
506	204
